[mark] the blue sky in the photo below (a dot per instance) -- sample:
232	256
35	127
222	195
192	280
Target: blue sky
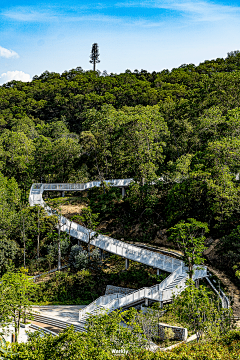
153	35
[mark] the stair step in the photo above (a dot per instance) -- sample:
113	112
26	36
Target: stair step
57	323
175	282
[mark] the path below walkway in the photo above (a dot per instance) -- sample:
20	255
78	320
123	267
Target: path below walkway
232	290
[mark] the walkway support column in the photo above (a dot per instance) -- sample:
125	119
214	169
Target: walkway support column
146	302
161	300
101	254
126	264
197	283
158	271
123	192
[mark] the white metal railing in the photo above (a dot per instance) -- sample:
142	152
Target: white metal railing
83	186
156	292
100	302
200	271
104	242
224	299
128	251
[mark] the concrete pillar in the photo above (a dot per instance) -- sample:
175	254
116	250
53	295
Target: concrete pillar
101	254
63	193
161	304
123	192
146	302
158	271
126	264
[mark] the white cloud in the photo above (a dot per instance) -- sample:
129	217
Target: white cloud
54	15
198	10
29	15
7	53
22	14
14	75
194	10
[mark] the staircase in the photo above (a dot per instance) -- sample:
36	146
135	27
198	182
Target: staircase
174	284
58	323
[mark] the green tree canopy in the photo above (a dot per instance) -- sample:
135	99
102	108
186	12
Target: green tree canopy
189	237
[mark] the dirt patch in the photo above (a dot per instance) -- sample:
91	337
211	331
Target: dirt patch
211	252
232	290
161	239
70	210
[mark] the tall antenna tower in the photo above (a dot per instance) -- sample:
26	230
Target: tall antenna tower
94	56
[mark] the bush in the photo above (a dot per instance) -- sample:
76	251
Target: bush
78	258
65	288
198	309
98	345
8	253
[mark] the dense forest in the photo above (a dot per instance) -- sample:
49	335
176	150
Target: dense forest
176	134
181	126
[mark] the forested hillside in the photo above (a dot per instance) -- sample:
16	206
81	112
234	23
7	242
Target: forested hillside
182	125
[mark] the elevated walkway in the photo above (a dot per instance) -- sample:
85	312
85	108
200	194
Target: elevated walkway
163	292
128	251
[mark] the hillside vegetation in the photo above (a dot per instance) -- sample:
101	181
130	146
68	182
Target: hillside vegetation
176	133
81	125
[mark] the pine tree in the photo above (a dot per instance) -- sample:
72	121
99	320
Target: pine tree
94	56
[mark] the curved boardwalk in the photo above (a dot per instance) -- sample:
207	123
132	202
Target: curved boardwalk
163	292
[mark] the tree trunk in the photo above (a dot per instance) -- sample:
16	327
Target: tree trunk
59	247
15	326
16	334
89	245
18	324
24	253
190	267
69	235
24	243
38	236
